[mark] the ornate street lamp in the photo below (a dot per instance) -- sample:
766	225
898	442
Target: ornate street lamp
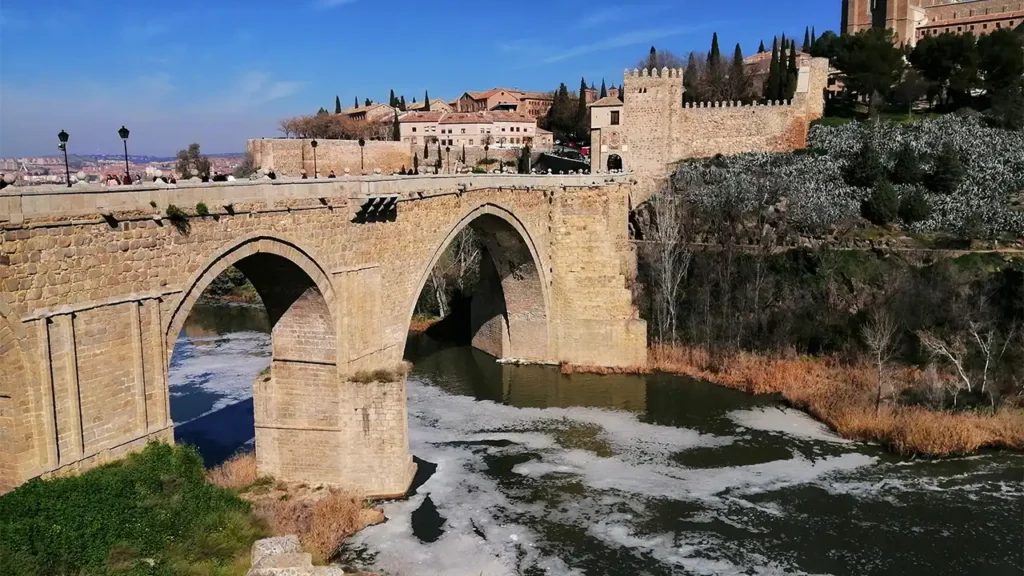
123	133
313	144
362	165
63	137
448	150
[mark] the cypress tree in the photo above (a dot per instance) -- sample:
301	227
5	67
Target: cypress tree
415	163
791	73
580	124
368	102
337	105
401	104
393	102
652	59
807	39
426	148
715	73
604	89
691	80
463	152
771	87
426	102
783	71
622	92
738	85
760	49
813	38
357	101
396	129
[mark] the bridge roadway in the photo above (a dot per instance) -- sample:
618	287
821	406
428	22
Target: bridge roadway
97	283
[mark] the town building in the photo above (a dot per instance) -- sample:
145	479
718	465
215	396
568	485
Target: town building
371	113
912	20
436	105
607	134
532	104
495	128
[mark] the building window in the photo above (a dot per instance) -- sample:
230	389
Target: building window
413	128
463	130
615	117
470	141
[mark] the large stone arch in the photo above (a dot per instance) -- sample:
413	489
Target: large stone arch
302	394
511	310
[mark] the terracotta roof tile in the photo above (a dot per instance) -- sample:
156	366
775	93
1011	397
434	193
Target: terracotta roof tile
607	101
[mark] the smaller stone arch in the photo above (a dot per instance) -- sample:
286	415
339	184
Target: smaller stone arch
614	162
512	311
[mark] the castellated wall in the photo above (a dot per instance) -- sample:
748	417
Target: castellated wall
660	131
290	156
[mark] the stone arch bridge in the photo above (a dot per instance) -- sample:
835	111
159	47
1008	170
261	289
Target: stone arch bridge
97	284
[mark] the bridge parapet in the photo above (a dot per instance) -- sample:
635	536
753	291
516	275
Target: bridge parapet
18	204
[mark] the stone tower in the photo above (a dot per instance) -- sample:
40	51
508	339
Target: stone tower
653	100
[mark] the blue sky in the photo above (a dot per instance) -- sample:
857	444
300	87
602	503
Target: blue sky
221	71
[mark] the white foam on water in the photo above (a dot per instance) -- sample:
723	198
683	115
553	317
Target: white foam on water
442	425
225	366
787	421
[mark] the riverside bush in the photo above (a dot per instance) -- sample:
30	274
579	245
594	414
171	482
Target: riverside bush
819	199
152	513
881	207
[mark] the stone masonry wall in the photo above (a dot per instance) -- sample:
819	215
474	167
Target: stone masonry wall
95	285
660	132
290	156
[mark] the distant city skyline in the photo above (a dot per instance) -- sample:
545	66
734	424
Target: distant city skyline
218	74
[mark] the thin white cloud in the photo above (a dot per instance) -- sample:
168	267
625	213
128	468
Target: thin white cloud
333	3
600	16
255	88
621	40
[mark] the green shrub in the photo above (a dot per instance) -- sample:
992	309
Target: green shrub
882	206
202	210
487	161
865	169
509	163
914	207
479	170
175	213
907	168
948	172
151	513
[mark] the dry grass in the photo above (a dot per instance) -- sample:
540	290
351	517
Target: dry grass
237	473
382	374
843	397
420	324
322	519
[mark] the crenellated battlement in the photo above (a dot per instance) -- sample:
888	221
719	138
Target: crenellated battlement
654	73
735	104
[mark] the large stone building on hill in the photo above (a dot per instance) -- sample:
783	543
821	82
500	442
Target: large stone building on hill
532	104
912	20
498	129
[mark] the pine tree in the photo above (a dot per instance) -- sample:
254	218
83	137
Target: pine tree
337	105
426	101
396	129
760	49
739	86
771	87
652	60
604	89
807	39
393	102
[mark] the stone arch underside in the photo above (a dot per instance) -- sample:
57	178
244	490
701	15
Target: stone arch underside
510	314
303	391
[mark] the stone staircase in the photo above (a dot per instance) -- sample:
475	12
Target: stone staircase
283	556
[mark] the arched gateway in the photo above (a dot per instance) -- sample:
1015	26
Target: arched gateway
97	285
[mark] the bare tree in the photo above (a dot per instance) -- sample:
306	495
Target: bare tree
668	256
954	352
880	336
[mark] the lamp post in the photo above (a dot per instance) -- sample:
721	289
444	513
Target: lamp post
362	164
123	133
448	151
313	144
63	137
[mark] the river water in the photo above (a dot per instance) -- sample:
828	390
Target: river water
527	471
